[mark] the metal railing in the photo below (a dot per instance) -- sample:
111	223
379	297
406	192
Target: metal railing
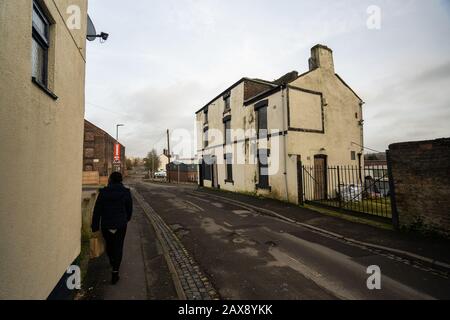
352	188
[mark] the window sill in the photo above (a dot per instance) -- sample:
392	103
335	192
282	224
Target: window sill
44	88
267	188
230	182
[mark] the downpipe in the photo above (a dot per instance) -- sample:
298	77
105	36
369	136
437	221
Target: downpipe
284	133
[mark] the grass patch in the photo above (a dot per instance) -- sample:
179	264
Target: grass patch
375	207
325	211
348	217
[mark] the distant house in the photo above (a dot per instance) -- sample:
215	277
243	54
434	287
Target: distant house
185	160
98	153
255	136
163	162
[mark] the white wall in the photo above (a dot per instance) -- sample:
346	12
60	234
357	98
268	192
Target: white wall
41	152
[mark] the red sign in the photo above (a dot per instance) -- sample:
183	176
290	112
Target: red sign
117	152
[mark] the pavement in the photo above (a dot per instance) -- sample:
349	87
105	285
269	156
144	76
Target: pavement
246	254
144	271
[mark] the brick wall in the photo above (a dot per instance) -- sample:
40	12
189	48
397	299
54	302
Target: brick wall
252	89
182	173
421	172
99	151
183	177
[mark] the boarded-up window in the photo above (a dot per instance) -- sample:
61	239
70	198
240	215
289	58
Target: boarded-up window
207	167
227	101
262	122
205	139
228	132
263	168
229	166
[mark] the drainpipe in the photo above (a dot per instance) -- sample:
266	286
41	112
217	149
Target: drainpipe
285	155
362	168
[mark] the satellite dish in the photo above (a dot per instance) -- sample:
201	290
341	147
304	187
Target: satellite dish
91	32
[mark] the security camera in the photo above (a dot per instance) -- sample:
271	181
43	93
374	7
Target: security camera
104	36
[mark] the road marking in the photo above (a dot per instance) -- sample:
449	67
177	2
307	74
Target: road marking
217	204
194	205
337	290
242	213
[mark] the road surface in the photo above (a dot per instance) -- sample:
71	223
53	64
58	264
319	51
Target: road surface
247	255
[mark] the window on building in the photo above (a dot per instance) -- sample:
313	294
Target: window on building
206	116
262	122
207	171
207	167
229	167
205	138
353	155
40	45
227	101
263	169
228	131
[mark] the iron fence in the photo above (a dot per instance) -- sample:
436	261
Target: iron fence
352	188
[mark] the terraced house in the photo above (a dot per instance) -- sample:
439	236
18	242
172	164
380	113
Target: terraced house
255	136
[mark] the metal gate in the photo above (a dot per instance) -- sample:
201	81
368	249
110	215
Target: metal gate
352	188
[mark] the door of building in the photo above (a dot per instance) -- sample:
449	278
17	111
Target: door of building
320	177
201	177
300	180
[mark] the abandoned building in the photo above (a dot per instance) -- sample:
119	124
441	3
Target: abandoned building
98	156
255	136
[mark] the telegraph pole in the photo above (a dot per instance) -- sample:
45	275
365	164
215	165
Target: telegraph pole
168	152
153	167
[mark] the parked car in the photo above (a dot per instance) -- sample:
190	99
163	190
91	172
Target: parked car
161	174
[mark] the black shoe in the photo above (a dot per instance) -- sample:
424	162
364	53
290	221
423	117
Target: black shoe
115	277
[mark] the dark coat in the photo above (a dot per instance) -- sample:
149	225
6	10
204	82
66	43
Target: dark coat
113	208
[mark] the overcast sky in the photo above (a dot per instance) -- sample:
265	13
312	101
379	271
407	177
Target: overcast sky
165	59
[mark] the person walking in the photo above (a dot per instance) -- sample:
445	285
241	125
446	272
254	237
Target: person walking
112	212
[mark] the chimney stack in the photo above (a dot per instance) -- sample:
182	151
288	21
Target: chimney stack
321	57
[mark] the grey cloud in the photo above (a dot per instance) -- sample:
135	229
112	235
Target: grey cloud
414	107
166	59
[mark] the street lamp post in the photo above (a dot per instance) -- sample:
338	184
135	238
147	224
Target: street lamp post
117	131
